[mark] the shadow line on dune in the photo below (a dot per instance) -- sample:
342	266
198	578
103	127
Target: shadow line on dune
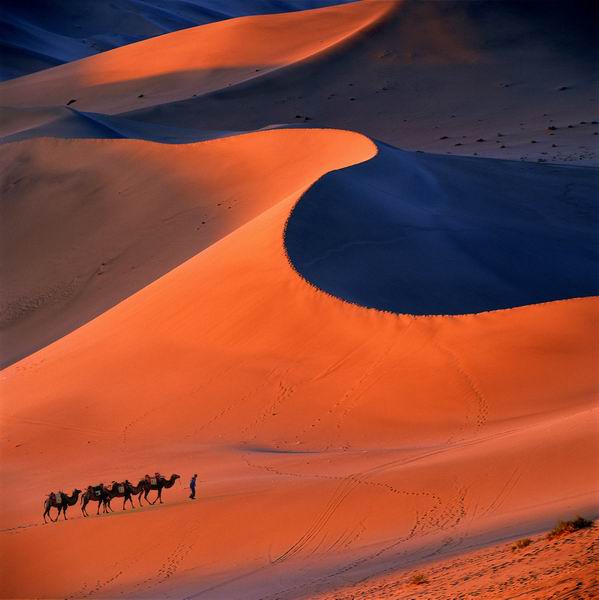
423	234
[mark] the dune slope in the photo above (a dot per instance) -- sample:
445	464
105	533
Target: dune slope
184	306
111	216
190	62
430	234
335	441
42	34
486	78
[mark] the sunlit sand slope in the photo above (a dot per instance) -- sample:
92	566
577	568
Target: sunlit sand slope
192	61
38	35
333	441
109	217
456	76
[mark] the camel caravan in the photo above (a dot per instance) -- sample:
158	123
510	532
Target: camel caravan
103	495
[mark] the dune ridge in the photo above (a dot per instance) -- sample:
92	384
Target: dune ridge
44	34
192	61
408	233
100	244
161	322
326	411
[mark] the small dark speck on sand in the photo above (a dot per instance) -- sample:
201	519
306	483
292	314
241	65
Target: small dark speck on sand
563	88
480	140
140	96
71	101
443	137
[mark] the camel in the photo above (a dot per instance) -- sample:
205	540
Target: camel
146	486
124	489
65	502
98	494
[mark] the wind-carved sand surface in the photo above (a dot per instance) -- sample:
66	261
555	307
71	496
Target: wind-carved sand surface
156	318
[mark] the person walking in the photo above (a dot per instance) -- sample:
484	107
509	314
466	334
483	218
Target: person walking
192	486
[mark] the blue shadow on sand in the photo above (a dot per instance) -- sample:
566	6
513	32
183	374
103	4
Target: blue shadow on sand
427	234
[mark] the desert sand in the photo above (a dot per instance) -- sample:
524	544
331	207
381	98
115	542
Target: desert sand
173	303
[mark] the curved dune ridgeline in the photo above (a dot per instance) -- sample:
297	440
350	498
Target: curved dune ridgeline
373	358
42	34
192	61
361	437
111	216
428	234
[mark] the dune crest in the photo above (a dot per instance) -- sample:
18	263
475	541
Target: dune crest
192	61
98	243
330	414
429	234
236	306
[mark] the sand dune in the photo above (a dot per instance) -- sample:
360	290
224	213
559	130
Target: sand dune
42	34
192	61
330	414
429	234
111	216
486	78
166	311
408	82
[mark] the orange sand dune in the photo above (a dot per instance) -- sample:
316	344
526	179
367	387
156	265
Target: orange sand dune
333	442
110	216
191	61
559	568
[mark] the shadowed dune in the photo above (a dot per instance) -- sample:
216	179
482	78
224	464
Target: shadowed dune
438	77
38	34
192	61
425	234
406	78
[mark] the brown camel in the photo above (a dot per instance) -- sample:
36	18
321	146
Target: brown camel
65	501
97	494
146	486
124	489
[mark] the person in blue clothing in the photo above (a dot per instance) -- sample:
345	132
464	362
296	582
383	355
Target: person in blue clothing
192	486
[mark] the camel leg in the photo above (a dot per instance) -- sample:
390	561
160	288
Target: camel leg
64	511
98	511
46	512
83	505
160	495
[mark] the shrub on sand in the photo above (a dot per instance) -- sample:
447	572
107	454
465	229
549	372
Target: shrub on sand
520	544
418	579
564	527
